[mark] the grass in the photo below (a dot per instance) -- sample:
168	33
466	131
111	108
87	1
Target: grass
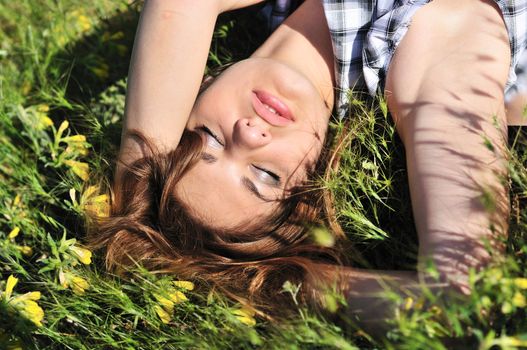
66	60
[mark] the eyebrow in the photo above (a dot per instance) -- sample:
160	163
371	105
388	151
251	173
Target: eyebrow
208	158
247	183
251	187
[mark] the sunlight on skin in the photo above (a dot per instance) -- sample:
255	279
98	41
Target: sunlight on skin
253	157
245	153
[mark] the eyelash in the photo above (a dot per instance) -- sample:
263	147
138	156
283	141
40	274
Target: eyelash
276	178
212	134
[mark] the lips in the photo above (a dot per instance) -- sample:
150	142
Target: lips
271	109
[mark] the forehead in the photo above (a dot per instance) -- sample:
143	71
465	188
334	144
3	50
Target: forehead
221	201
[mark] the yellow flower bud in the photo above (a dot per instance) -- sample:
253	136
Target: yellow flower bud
79	285
43	108
80	169
98	205
408	303
245	316
90	191
163	315
63	126
11	283
521	283
14	232
84	23
75	138
33	295
25	303
518	300
82	254
26	250
515	342
166	303
184	284
31	310
177	297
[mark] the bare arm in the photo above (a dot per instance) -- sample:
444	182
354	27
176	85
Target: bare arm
168	60
373	296
445	100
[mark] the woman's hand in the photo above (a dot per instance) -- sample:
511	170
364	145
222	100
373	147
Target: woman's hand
229	5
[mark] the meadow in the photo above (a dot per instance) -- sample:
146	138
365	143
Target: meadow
63	68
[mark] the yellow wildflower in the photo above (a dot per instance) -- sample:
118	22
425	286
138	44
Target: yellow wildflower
485	301
173	297
163	315
43	120
408	303
518	300
184	284
516	342
43	108
30	310
14	232
97	205
167	303
90	191
33	295
79	285
521	283
506	308
74	138
62	40
84	23
11	283
80	169
25	304
76	144
82	254
177	297
245	316
16	201
63	126
76	283
24	249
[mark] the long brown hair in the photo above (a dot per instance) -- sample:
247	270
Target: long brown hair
150	226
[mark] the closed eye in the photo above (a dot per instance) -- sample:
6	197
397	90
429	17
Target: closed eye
266	176
213	140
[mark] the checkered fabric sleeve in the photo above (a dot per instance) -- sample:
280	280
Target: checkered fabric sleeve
365	34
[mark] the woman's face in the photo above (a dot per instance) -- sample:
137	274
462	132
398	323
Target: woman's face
263	125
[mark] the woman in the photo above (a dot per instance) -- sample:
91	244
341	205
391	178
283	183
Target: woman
235	212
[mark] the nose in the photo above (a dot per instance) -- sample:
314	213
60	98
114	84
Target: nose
251	133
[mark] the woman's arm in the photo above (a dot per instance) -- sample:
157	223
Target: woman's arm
445	91
168	60
373	296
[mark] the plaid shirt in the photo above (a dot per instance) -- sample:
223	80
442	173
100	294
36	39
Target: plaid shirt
365	34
